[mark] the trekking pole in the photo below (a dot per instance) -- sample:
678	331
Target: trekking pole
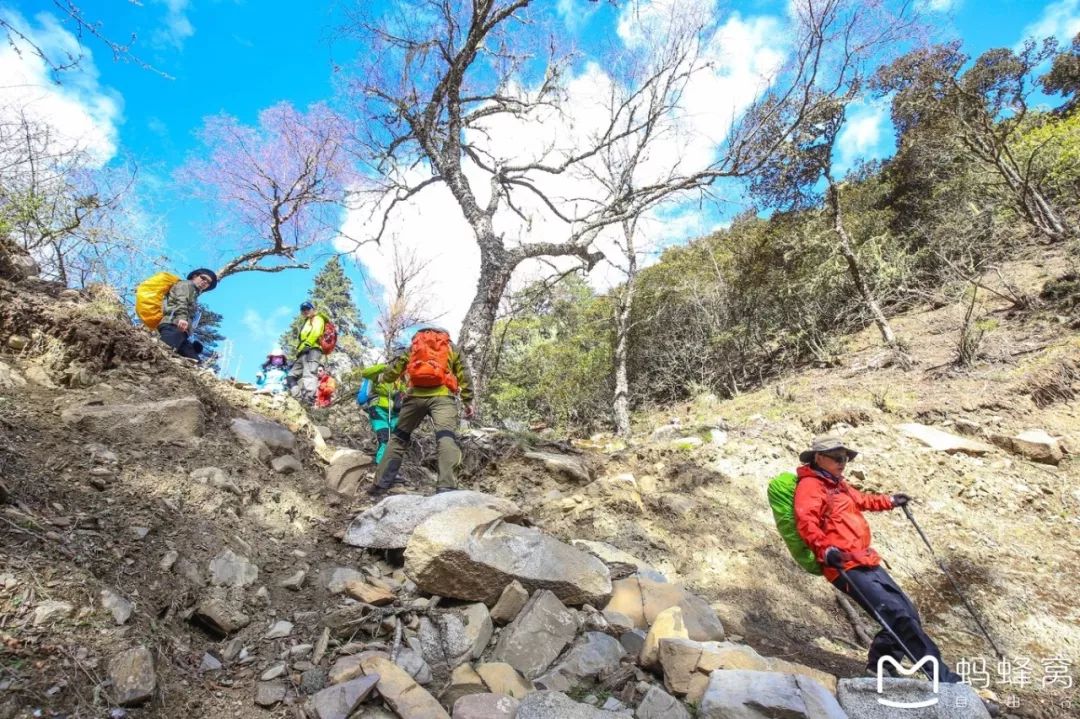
881	620
952	581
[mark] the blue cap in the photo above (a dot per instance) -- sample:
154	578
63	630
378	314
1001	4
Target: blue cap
306	306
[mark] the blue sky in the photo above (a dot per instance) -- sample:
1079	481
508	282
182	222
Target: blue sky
240	56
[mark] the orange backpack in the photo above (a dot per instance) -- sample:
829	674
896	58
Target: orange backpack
429	360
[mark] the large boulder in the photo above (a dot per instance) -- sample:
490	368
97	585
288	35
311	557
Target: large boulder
556	705
390	523
347	470
472	553
621	564
1034	444
642	599
538	635
163	421
253	429
860	699
744	694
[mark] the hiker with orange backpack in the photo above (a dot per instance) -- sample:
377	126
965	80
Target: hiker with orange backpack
435	375
311	350
169	304
829	518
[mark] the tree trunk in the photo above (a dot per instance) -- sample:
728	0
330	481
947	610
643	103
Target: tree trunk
496	268
1038	210
623	313
848	251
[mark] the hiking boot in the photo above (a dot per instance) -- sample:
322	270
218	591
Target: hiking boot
377	491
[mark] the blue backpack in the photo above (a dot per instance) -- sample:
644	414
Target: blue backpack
365	393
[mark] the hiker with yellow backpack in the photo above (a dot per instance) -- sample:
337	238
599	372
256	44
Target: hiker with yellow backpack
170	305
436	375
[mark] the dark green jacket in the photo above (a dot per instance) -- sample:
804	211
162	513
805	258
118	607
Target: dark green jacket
457	366
180	302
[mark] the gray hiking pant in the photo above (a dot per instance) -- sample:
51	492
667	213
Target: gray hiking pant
444	415
304	375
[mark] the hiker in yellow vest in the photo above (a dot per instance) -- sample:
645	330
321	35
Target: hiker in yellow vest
303	377
178	312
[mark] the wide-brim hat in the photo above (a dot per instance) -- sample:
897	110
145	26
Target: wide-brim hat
204	271
826	443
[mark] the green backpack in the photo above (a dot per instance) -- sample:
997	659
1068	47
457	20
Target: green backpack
782	501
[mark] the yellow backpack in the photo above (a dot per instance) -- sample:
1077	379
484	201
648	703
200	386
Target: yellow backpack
150	295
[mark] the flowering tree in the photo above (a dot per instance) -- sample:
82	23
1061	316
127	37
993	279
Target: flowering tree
278	188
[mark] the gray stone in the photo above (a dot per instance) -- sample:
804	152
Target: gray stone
510	602
472	553
941	441
390	523
275	671
267	694
220	613
411	659
336	578
10	378
444	642
312	680
485	706
620	564
229	569
132	675
216	478
633	640
51	610
556	705
293	581
286	464
1035	444
537	636
252	429
745	694
120	608
618	622
346	471
591	656
210	663
614	705
563	464
658	704
341	700
162	421
859	699
478	627
280	630
168	560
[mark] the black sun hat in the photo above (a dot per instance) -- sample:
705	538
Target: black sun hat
204	271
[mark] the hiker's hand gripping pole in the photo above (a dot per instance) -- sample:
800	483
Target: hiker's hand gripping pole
952	581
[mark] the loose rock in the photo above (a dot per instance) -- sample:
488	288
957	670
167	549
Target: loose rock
570	467
593	655
154	421
668	625
512	599
369	594
280	630
390	523
253	429
485	706
556	705
267	694
50	611
537	636
658	704
341	700
407	698
286	464
501	678
132	675
232	570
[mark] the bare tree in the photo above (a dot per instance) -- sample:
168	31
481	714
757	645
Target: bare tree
81	223
406	301
278	189
443	81
861	35
986	106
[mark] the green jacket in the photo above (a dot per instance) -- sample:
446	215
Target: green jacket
457	366
384	391
180	302
310	332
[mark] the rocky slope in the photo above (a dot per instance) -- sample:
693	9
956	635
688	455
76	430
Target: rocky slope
174	546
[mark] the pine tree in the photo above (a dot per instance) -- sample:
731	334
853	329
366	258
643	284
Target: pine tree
209	333
332	292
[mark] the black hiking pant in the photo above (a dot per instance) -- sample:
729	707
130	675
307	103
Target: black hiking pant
178	339
896	609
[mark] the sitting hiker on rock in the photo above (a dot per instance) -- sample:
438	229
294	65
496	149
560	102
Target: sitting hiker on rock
435	373
382	401
179	309
324	395
273	373
829	517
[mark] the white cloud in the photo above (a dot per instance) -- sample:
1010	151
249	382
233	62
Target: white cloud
80	111
861	136
575	13
738	59
1059	19
937	5
266	327
176	27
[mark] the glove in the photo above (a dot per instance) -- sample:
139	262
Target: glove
834	557
899	500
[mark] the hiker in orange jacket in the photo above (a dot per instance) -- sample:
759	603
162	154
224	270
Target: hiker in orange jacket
324	395
829	517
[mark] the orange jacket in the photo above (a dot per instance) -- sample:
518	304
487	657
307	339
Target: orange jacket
829	513
324	395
